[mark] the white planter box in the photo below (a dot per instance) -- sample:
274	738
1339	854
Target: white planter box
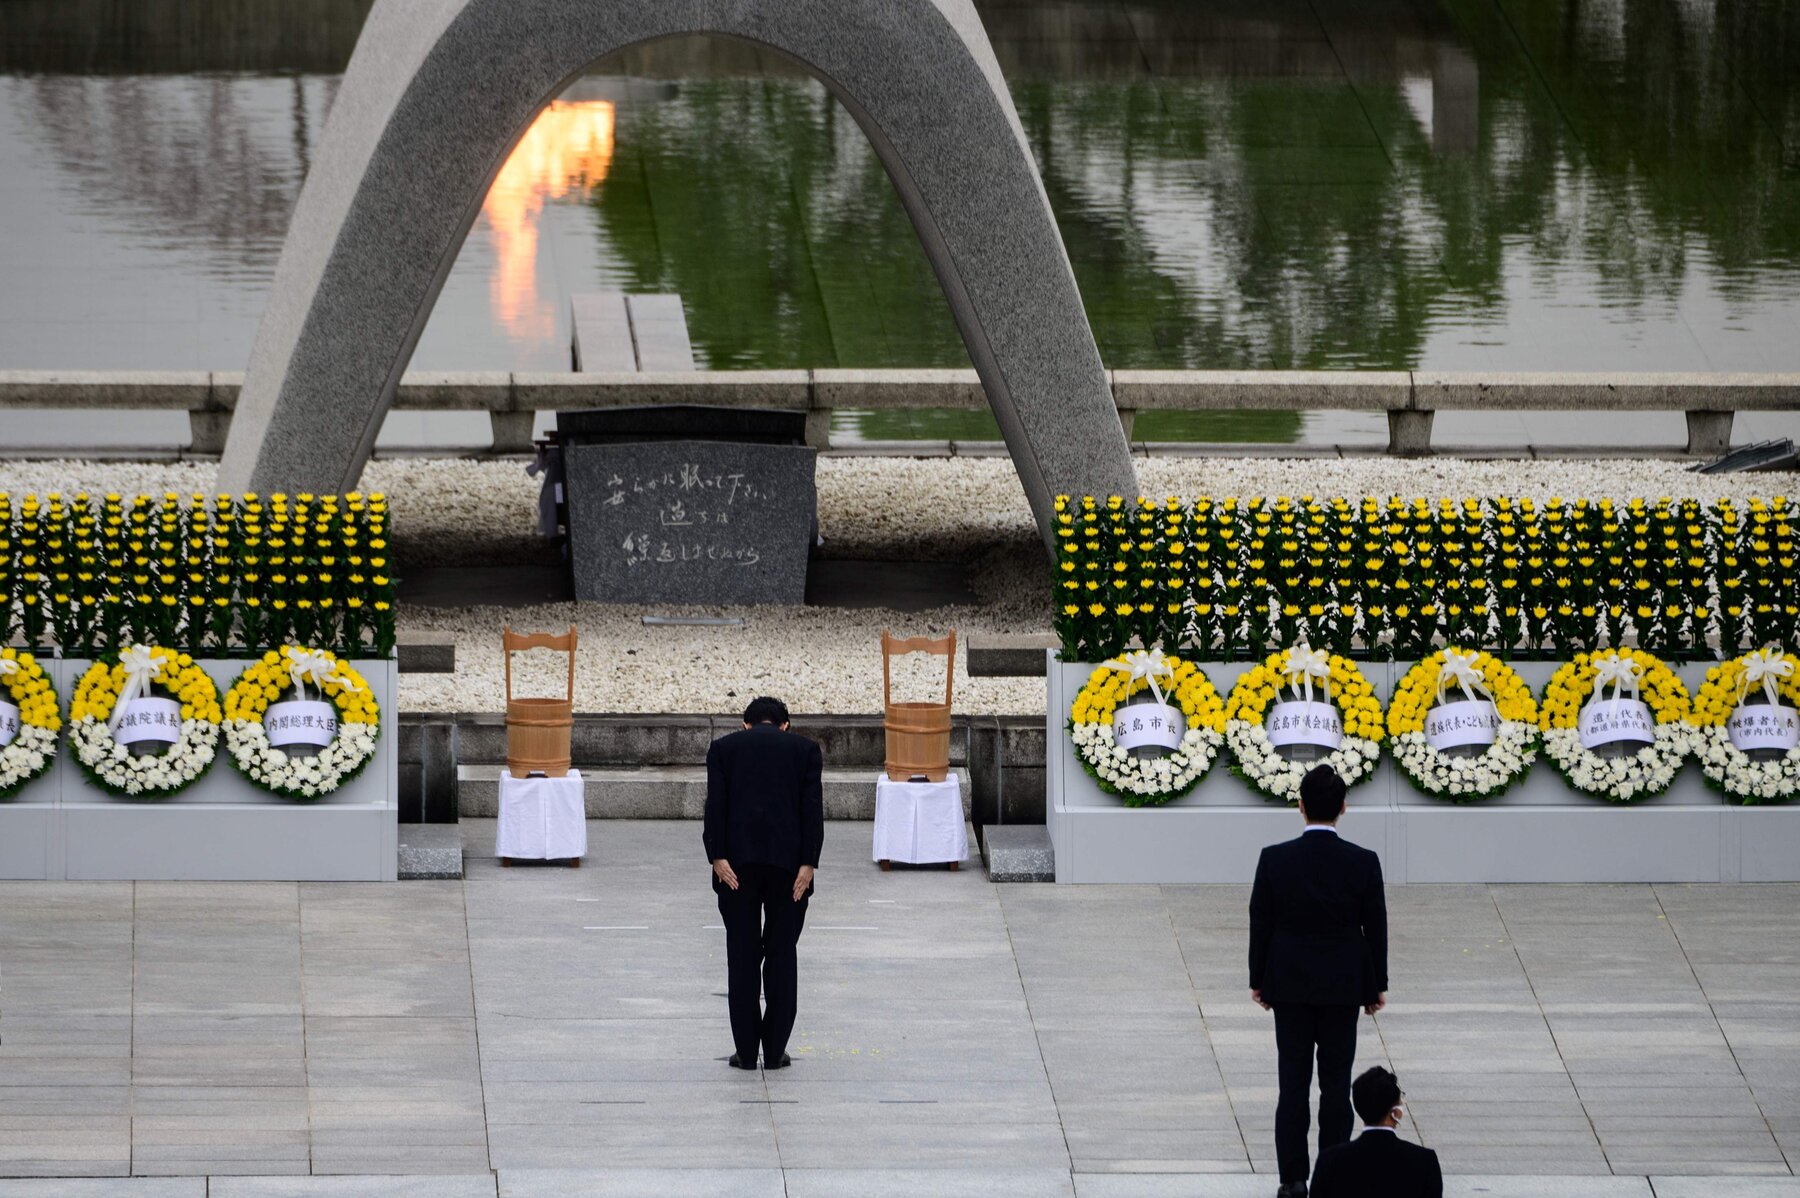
221	828
1541	830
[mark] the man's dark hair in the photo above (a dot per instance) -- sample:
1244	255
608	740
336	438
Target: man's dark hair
1323	793
765	710
1374	1094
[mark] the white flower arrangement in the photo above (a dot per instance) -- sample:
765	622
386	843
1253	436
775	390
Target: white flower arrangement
25	686
293	775
1260	763
1727	767
1146	781
1463	779
144	671
1634	777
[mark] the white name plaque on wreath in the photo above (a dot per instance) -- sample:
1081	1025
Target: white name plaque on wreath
150	720
1154	724
1608	721
9	724
300	722
1468	722
1300	722
1755	726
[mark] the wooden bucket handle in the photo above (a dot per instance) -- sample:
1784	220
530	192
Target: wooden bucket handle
893	646
518	642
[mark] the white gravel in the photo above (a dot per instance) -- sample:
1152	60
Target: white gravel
462	512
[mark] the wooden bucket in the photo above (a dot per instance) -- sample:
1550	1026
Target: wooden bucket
538	730
918	734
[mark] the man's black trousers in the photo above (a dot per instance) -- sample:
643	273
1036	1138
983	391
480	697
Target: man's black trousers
1301	1030
762	926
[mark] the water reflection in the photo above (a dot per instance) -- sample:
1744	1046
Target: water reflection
1453	184
566	151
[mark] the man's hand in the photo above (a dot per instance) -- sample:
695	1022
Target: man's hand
1378	1005
1257	998
802	882
722	870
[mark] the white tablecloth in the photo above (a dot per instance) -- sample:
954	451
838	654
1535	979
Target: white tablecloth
541	819
920	822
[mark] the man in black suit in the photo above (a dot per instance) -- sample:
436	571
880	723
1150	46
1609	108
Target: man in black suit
765	825
1318	951
1378	1163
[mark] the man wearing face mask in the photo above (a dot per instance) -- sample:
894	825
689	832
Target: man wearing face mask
1378	1163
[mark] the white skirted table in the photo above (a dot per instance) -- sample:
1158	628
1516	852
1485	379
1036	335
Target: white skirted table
920	823
541	819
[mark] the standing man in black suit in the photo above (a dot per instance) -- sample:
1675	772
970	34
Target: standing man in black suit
765	825
1378	1163
1318	952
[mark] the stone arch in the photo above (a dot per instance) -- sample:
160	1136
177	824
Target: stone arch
439	91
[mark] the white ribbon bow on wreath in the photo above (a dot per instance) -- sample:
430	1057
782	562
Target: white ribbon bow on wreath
1622	672
1767	666
8	666
1145	665
309	663
1304	663
1461	669
141	668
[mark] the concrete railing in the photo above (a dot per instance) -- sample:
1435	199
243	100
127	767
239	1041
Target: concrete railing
512	400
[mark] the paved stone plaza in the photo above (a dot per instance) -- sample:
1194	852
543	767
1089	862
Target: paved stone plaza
544	1031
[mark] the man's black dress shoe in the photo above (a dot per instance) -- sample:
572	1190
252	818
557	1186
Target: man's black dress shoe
737	1062
1292	1189
781	1064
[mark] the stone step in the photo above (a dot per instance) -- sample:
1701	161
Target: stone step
1018	853
430	851
665	792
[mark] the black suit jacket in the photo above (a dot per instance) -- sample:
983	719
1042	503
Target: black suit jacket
765	799
1377	1164
1318	923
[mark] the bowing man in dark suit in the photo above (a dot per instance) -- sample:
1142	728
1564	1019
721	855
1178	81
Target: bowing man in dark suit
1378	1163
765	825
1318	953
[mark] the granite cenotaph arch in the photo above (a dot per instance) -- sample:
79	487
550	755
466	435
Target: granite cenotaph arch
439	91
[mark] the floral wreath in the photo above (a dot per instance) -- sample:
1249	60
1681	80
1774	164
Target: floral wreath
33	746
1146	782
289	774
100	703
1633	674
1258	761
1727	767
1478	675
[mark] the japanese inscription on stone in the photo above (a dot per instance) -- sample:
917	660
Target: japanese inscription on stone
698	522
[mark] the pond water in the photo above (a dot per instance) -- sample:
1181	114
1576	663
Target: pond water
1254	184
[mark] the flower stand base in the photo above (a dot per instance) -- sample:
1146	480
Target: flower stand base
1542	830
222	828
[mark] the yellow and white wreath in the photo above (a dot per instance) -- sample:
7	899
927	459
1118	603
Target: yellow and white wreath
1577	691
103	701
1189	738
286	673
1722	719
30	718
1343	687
1495	713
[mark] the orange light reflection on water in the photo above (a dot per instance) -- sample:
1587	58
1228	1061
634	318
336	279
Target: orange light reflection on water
566	152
